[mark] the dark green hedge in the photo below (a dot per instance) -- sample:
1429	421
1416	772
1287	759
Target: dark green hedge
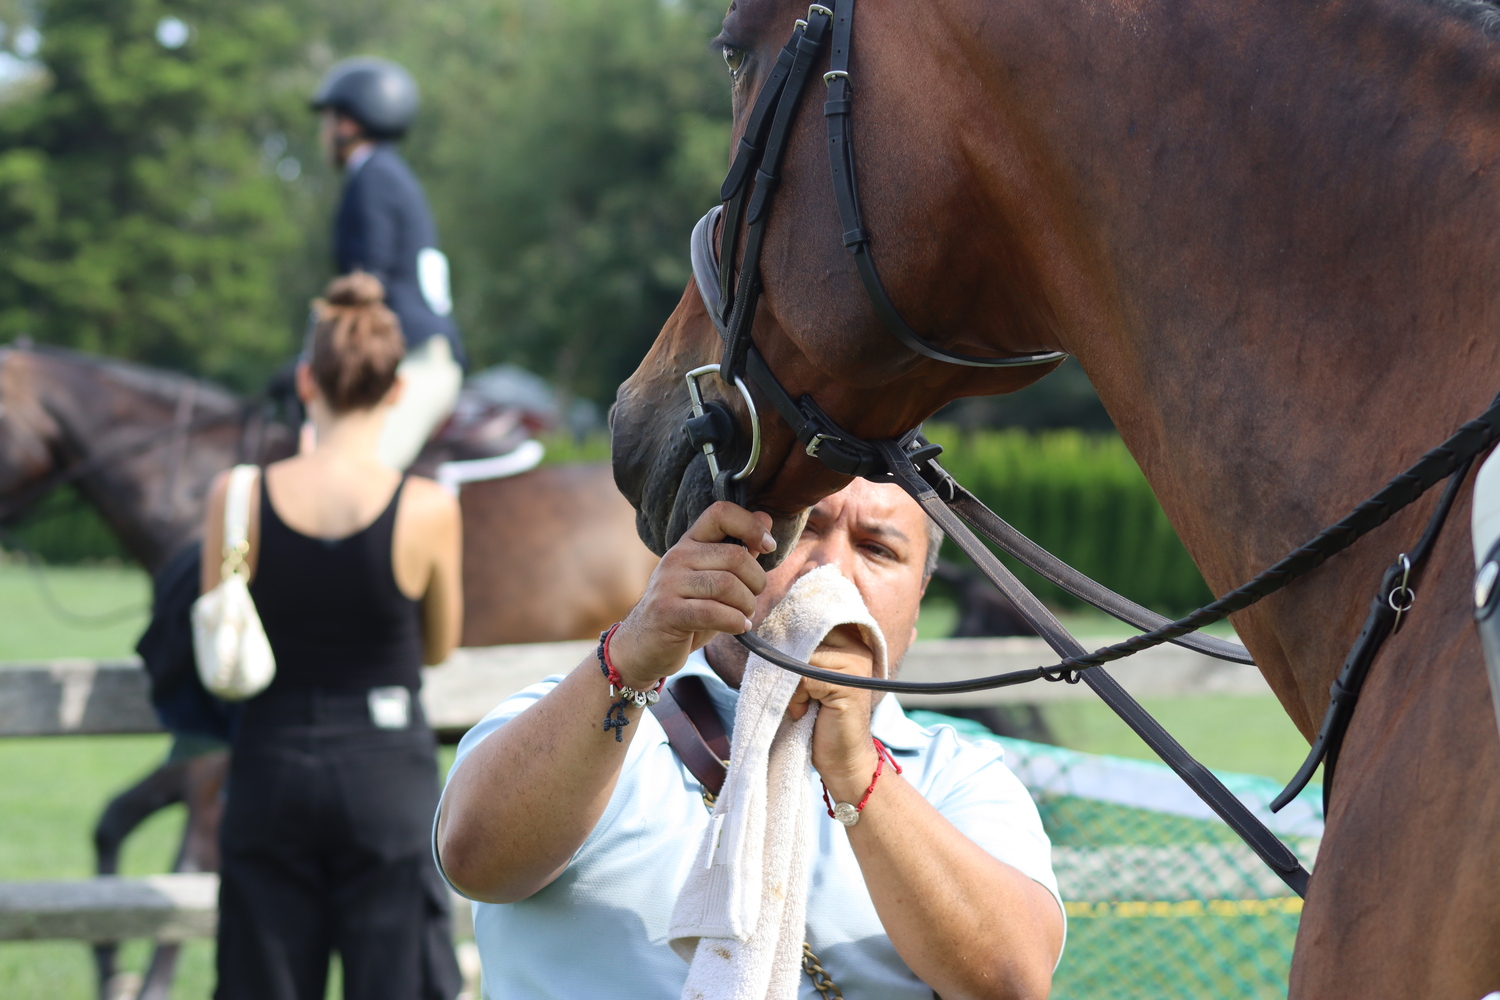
1082	497
64	529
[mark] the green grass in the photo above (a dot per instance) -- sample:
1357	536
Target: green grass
1231	733
1251	735
115	599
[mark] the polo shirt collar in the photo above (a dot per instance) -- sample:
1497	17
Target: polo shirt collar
889	724
360	158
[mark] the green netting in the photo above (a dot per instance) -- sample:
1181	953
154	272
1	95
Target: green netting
1163	900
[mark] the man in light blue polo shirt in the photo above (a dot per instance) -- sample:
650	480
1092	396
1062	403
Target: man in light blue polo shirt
576	838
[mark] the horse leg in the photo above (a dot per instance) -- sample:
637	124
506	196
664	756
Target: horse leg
163	787
1402	901
204	781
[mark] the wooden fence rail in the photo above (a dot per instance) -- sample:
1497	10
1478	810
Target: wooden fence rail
178	907
63	697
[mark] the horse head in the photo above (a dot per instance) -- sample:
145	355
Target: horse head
28	433
975	288
140	445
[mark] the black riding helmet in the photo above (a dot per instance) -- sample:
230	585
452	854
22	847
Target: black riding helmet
377	93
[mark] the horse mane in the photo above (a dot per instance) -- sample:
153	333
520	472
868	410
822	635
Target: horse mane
164	387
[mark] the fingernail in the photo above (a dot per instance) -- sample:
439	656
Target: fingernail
749	625
768	542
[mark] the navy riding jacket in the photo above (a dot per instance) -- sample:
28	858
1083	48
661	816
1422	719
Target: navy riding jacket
384	227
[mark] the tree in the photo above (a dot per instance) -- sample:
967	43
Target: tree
568	146
139	192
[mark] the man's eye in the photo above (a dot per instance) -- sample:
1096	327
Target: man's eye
733	58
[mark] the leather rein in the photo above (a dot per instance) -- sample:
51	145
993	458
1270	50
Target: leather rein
911	462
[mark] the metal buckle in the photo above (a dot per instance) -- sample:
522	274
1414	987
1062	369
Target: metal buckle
817	442
708	449
835	74
1484	584
1407	596
819	8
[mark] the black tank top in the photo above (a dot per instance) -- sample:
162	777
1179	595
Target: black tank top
332	611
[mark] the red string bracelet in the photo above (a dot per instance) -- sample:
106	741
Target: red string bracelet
615	718
849	814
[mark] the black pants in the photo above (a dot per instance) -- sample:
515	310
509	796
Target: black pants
326	846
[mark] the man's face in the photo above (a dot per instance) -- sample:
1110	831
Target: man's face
336	135
877	537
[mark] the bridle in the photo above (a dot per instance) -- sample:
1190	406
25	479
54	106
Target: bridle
911	462
733	300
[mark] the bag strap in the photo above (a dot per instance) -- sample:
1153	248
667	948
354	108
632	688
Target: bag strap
694	731
237	520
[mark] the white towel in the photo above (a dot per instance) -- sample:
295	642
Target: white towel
741	917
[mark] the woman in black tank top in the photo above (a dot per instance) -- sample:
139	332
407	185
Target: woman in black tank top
365	632
333	779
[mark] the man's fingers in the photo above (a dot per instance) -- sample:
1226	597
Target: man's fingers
798	706
726	520
707	616
725	556
721	586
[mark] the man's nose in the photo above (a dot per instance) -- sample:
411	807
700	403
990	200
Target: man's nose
836	548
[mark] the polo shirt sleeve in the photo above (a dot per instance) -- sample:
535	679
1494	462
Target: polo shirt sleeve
498	716
983	798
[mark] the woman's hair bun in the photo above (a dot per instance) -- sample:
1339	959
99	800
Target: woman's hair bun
356	289
356	344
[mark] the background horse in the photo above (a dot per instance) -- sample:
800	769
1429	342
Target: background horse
60	410
1270	232
549	554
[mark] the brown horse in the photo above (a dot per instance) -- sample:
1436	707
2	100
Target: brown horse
1270	231
549	554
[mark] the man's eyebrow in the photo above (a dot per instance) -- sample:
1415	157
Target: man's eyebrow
882	529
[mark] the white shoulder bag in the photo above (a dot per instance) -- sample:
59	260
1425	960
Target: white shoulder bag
234	657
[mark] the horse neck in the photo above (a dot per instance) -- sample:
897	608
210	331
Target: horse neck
1276	230
151	499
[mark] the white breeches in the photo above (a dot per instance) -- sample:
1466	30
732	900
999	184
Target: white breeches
431	380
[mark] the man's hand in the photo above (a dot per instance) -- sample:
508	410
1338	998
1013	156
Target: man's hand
842	749
702	586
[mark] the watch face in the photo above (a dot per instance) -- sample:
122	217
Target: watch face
846	814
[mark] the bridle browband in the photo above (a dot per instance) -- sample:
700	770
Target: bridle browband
910	461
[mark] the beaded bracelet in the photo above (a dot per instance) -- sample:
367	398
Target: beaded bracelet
615	718
849	814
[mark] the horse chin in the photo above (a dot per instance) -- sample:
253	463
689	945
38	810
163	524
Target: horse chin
673	498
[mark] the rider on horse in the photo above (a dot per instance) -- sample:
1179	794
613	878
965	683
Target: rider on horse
384	227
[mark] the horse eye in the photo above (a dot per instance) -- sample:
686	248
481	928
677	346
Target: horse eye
733	58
